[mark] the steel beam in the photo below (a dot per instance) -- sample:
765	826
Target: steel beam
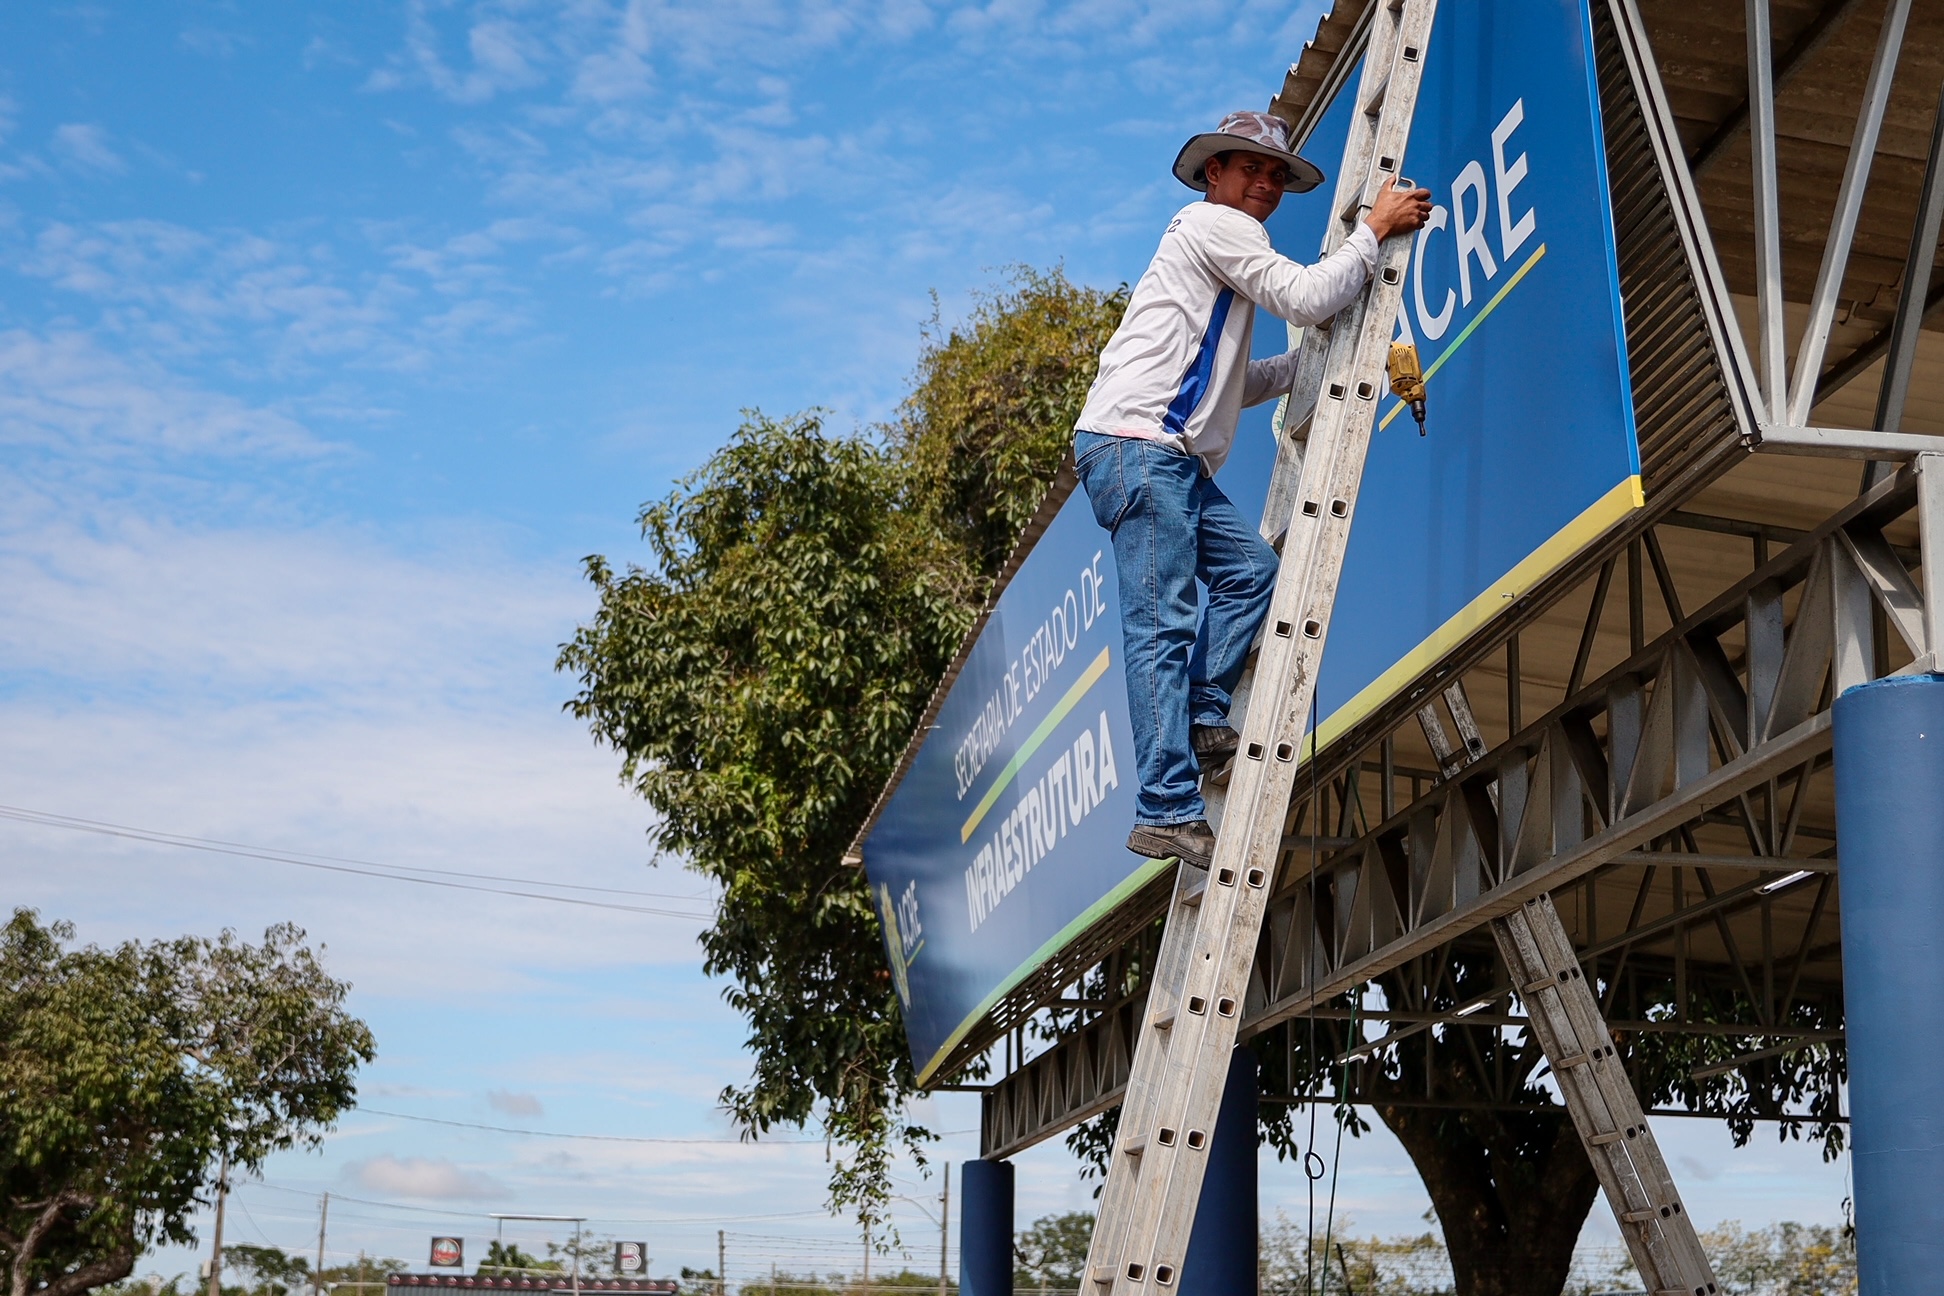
1771	339
1845	443
1918	265
1811	39
1930	520
1849	206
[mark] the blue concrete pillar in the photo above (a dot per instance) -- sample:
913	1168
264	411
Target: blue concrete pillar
1890	841
986	1228
1221	1259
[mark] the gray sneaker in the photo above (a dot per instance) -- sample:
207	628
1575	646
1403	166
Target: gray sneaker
1191	843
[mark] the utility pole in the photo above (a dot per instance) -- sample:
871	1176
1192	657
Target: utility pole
216	1242
944	1227
323	1217
722	1264
577	1251
867	1259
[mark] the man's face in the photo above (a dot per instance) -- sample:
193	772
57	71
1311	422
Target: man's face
1248	182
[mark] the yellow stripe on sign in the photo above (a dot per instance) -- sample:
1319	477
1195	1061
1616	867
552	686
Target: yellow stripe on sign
1032	744
1624	498
1459	341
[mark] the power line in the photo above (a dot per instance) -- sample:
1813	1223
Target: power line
605	1138
360	868
598	1138
482	1215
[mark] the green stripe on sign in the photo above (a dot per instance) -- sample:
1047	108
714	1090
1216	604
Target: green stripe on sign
1032	743
1477	319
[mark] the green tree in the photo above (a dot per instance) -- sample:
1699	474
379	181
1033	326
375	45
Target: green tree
507	1258
1785	1259
761	678
992	406
1053	1252
364	1275
275	1270
760	682
126	1073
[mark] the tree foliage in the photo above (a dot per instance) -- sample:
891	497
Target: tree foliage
991	413
126	1073
1052	1254
761	674
761	680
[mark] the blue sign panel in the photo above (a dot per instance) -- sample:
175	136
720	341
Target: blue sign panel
1005	839
1513	300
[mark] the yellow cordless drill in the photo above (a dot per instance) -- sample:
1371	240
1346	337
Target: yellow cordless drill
1407	379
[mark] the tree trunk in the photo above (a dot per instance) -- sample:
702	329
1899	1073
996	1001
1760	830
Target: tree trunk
1510	1218
1506	1171
113	1267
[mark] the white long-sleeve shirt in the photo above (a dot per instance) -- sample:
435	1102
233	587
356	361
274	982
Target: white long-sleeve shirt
1177	370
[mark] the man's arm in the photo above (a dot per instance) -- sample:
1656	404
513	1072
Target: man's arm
1238	250
1270	378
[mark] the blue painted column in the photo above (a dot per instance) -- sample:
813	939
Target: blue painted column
1890	841
986	1228
1221	1259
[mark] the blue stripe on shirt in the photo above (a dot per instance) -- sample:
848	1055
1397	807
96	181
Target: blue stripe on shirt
1195	384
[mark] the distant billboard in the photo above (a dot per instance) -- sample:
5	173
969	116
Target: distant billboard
448	1253
1004	839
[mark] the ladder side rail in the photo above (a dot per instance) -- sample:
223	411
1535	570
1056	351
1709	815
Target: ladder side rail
1643	1149
1352	179
1597	1091
1605	1131
1192	1065
1141	1098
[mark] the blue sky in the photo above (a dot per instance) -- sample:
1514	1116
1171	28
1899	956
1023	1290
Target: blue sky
330	341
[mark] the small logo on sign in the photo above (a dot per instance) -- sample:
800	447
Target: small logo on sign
904	935
630	1257
448	1253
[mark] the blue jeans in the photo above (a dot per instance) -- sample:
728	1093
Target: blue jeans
1172	526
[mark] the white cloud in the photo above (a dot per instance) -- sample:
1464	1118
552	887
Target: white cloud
286	305
85	147
64	391
434	1178
513	1104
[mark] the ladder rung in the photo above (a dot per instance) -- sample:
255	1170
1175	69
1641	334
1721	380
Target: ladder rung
1375	103
1602	1140
1164	1020
1103	1275
1194	887
1543	983
1135	1146
1578	1059
1639	1216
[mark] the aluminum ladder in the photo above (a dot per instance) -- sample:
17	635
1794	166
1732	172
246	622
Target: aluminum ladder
1154	1178
1565	1016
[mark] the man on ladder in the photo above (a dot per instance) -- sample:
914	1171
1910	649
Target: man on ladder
1157	426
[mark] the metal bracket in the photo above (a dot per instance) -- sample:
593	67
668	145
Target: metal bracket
1845	443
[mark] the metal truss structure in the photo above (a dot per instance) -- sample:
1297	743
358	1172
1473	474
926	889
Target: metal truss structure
1645	736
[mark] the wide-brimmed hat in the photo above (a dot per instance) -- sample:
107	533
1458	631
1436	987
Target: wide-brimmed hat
1248	132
